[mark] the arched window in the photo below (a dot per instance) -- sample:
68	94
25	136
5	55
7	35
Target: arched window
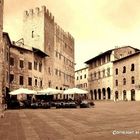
124	81
116	71
124	69
116	95
116	82
32	34
133	80
132	67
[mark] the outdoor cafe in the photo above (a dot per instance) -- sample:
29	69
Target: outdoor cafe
48	98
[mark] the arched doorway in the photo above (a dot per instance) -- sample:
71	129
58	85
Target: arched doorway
99	94
132	95
95	94
104	93
124	95
91	94
109	93
116	95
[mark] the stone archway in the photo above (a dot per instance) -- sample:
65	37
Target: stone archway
95	94
108	93
99	94
104	93
132	95
124	95
116	95
91	94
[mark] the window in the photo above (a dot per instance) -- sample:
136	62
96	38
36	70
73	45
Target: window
81	77
94	74
35	82
21	64
99	75
116	71
11	61
40	83
99	62
56	72
108	71
124	81
108	58
85	76
40	67
124	69
56	54
29	81
21	52
103	60
49	84
7	56
103	73
11	78
30	65
32	34
132	67
85	85
35	65
132	80
21	80
77	78
116	82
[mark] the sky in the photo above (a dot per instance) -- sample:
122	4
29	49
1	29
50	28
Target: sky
96	25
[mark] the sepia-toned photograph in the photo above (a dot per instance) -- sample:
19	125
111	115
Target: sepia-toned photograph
69	70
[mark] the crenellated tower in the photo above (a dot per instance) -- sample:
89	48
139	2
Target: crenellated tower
36	24
41	31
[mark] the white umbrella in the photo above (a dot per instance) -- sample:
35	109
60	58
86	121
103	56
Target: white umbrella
49	91
75	91
22	91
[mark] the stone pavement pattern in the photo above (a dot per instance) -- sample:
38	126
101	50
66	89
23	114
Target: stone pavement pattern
73	124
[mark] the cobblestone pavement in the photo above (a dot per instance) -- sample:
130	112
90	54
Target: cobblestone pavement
98	123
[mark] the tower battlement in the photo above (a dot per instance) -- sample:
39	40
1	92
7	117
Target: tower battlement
38	12
66	34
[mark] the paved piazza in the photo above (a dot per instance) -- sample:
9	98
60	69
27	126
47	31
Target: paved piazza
106	121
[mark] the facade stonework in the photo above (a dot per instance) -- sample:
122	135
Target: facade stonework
26	68
101	72
126	78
